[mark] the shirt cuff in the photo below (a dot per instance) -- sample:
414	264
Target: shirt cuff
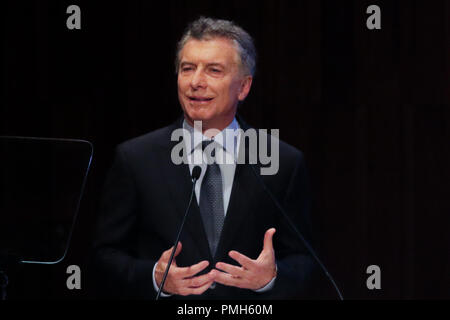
268	286
164	295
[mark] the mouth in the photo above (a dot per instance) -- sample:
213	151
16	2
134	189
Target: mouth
199	99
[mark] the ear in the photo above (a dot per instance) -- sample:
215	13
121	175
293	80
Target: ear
245	87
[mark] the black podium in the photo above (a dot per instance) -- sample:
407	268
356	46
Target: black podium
41	186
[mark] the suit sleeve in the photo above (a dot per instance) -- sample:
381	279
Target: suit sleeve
120	273
296	266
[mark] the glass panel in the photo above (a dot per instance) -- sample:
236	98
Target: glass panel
41	184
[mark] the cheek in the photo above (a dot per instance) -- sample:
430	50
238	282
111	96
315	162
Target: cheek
234	91
182	83
229	90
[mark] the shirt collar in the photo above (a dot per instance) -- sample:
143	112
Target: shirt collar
226	138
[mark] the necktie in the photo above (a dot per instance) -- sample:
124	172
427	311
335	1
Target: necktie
211	201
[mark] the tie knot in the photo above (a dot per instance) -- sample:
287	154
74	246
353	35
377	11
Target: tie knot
206	143
209	148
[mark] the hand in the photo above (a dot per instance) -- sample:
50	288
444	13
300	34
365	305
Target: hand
181	280
252	274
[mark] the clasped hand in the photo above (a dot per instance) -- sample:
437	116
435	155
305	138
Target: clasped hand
251	274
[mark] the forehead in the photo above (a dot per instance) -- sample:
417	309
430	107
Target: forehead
217	50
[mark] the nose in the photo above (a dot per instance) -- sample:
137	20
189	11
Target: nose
198	79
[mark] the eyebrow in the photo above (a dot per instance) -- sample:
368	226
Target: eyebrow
186	63
215	64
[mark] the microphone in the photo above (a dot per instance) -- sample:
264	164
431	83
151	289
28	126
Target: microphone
196	172
299	234
195	175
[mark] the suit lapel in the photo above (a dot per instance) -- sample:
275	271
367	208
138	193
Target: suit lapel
238	210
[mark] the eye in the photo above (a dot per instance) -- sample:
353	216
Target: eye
216	70
186	69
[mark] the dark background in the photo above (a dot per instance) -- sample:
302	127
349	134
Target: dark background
369	109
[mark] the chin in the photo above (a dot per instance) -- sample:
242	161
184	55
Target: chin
200	115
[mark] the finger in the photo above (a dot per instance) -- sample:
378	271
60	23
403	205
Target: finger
199	281
228	268
201	289
268	243
178	250
186	272
227	279
243	260
166	254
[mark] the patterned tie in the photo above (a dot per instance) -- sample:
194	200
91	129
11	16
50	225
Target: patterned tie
211	200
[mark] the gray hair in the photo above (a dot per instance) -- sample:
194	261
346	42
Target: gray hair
208	28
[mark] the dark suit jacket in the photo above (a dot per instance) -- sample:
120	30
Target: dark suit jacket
145	197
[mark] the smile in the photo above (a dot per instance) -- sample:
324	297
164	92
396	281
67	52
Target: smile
200	99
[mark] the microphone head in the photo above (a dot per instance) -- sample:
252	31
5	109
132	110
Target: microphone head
196	173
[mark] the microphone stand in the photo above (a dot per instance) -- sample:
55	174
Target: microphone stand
299	234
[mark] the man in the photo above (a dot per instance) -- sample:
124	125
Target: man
228	248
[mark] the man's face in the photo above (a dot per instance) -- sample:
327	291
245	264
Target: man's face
210	82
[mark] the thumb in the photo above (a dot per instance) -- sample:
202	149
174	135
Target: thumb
168	252
268	245
178	250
